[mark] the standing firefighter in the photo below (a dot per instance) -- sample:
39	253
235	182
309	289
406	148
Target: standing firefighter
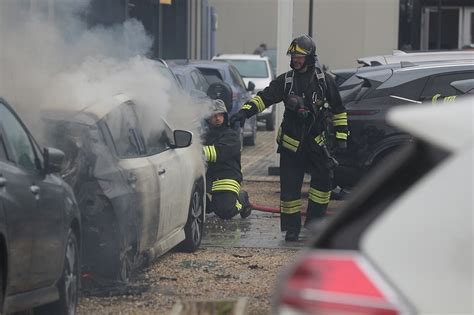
314	123
224	175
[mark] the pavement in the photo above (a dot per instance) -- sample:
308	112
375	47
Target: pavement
260	229
257	159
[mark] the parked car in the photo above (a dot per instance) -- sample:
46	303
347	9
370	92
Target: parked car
256	69
220	71
403	244
140	185
368	95
40	225
400	56
191	79
271	53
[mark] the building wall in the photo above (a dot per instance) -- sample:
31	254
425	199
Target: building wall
343	29
243	24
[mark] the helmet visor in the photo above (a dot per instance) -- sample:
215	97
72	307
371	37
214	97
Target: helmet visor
296	50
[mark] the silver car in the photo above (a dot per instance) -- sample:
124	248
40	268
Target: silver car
140	188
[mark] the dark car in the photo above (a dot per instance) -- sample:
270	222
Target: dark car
403	243
140	185
40	225
219	71
191	79
370	91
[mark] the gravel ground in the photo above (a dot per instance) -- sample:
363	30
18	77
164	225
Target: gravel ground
211	273
208	274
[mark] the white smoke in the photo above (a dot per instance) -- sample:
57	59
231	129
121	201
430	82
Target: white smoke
50	58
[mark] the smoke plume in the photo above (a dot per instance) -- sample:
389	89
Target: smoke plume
51	58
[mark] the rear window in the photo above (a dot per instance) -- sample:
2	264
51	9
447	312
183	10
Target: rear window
411	90
211	75
441	84
250	68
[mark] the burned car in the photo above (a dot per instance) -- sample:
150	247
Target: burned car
141	192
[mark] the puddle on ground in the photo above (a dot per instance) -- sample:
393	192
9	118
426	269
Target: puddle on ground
258	231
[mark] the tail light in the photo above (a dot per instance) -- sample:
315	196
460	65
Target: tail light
342	283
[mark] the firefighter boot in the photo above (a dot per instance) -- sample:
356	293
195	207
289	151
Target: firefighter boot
246	206
292	235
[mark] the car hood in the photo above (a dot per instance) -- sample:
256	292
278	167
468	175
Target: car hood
448	126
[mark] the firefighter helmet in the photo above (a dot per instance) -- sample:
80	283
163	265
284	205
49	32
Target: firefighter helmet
303	46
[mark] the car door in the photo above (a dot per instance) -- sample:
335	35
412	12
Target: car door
173	179
17	191
122	125
50	233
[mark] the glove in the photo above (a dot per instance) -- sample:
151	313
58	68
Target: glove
341	146
239	117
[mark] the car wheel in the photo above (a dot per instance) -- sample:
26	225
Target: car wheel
270	121
69	284
194	225
118	254
253	138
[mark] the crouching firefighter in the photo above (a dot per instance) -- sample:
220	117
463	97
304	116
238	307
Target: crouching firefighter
224	175
314	122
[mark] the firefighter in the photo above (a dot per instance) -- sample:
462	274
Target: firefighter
224	175
314	121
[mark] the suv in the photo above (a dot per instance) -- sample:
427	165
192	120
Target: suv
370	91
40	225
191	79
220	71
256	69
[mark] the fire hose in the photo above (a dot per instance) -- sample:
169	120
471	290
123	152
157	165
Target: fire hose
277	210
268	209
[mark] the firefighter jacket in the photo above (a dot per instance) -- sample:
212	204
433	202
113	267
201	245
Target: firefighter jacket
320	96
222	152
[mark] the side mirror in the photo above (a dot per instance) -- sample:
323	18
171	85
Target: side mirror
182	138
251	86
53	160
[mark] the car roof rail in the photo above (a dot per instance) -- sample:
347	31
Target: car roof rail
397	52
407	64
162	61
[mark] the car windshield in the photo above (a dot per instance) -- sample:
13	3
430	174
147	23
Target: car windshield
250	68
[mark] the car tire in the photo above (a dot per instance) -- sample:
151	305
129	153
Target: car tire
195	224
118	260
68	285
253	138
270	121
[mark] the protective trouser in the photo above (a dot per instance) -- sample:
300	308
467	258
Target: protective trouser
292	169
224	201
